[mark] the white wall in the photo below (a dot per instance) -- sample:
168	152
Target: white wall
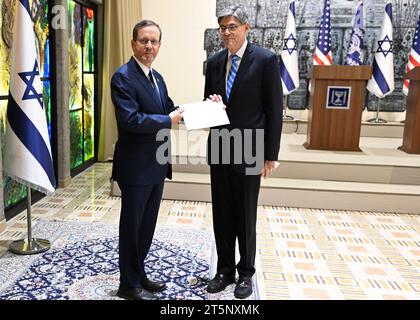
182	54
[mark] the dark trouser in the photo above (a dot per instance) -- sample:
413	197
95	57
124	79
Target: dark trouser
234	203
139	211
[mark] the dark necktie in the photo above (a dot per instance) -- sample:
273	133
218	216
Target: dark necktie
155	89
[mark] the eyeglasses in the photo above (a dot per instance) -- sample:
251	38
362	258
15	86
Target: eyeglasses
231	28
146	41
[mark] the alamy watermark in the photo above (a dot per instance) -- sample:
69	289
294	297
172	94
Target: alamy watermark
238	147
59	19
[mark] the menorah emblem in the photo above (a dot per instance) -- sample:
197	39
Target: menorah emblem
338	97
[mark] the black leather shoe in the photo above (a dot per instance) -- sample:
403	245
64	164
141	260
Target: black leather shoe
153	286
243	288
135	294
219	283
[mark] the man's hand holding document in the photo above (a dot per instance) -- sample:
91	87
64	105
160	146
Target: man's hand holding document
204	114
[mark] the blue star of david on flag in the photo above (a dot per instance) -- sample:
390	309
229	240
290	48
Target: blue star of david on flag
385	46
382	82
290	44
29	78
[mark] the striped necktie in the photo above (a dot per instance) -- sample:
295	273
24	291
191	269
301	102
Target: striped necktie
232	74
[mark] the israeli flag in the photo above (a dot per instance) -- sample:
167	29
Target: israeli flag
28	151
382	81
289	69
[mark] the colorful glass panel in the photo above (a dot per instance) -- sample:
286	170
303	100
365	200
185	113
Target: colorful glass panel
75	57
82	82
76	139
89	115
89	40
47	104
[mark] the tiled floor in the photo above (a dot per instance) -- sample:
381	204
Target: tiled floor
302	253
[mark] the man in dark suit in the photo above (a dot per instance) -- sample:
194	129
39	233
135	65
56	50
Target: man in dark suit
247	79
142	109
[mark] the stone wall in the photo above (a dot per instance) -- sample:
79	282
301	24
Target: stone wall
268	19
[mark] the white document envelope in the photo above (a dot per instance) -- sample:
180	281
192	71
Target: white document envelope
204	114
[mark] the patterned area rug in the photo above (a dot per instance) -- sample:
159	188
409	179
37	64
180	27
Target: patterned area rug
83	264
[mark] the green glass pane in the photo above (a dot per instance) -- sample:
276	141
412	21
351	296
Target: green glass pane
4	80
89	41
82	82
3	111
47	104
13	191
75	57
89	120
41	26
76	139
4	73
6	40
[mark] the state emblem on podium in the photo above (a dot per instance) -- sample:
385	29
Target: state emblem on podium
338	97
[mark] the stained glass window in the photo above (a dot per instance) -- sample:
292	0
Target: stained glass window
82	83
13	191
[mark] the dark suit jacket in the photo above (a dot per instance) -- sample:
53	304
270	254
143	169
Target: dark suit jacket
139	118
256	99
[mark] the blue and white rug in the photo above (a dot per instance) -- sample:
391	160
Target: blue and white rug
82	264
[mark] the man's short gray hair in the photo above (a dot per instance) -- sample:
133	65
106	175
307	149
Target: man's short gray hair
235	11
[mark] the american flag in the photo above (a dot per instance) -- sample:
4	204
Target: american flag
355	52
414	57
323	54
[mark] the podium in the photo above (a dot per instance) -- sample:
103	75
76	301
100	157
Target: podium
411	137
336	103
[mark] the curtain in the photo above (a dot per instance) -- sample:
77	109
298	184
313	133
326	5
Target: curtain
119	20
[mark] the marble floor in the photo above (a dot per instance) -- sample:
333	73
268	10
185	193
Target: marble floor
302	253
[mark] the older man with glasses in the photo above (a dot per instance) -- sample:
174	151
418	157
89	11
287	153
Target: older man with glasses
142	109
247	79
